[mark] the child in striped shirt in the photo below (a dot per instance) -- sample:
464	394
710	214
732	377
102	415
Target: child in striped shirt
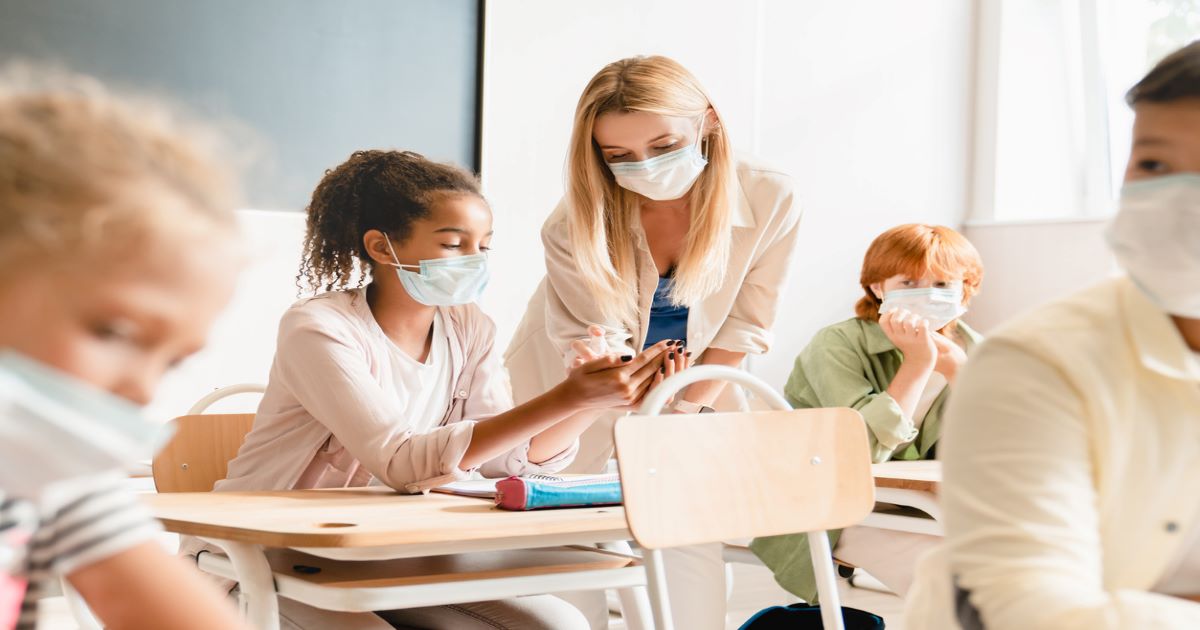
117	250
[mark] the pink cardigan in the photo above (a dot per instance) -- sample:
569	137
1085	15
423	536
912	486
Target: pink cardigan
326	421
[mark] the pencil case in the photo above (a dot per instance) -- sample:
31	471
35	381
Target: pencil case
532	493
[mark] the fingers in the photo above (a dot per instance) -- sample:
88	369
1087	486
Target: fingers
669	365
651	355
606	362
583	350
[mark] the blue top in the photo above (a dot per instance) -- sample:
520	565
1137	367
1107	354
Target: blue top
667	321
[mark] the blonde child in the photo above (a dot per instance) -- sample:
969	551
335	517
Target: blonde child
117	250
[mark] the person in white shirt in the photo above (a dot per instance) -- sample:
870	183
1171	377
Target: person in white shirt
1072	444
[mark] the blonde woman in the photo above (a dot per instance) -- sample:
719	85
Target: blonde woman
662	234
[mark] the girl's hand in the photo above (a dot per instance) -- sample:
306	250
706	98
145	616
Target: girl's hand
950	357
594	347
911	335
614	381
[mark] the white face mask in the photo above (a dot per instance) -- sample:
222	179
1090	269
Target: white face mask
444	281
668	176
937	306
54	427
1156	239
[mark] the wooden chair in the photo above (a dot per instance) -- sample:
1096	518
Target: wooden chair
690	479
199	453
198	456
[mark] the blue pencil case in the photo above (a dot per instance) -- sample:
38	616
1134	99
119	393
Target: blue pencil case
538	492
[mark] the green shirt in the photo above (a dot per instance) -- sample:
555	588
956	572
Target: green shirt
851	364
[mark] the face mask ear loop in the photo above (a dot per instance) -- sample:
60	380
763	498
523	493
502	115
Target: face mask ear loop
700	139
396	258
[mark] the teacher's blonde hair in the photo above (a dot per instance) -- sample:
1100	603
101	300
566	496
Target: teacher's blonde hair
601	213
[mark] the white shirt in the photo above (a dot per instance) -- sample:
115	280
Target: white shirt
1184	576
1071	457
423	389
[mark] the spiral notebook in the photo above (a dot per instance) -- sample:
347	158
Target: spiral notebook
533	492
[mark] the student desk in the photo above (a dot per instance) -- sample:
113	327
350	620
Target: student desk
911	484
372	524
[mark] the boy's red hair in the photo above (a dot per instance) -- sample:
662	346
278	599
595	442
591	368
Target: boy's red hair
914	250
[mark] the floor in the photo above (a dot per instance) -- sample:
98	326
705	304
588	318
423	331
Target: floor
754	589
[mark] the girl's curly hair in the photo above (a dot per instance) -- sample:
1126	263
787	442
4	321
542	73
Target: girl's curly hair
373	190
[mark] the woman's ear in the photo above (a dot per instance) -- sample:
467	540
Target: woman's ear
711	122
376	243
877	290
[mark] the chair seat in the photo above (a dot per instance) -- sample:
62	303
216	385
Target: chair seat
351	586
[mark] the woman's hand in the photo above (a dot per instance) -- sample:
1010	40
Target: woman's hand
615	381
677	360
950	357
911	335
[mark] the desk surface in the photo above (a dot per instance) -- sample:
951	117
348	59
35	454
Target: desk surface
923	475
373	517
370	517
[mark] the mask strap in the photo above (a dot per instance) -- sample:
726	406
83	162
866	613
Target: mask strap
700	136
394	256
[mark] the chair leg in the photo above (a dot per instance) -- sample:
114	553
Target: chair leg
656	580
635	603
831	602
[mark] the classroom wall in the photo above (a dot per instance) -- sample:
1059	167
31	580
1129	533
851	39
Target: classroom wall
1028	264
871	119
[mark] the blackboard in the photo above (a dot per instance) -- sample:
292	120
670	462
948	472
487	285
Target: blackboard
315	80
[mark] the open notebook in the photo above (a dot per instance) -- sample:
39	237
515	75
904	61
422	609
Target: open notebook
538	491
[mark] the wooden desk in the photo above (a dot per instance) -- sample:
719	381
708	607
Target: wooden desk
923	475
912	484
365	524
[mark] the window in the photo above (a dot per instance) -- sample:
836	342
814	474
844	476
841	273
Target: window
1052	79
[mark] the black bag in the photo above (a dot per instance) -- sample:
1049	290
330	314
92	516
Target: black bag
804	617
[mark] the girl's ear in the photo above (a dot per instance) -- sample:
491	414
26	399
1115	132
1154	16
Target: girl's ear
376	244
877	289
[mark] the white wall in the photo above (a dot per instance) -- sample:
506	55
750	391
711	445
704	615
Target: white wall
242	342
1027	264
866	104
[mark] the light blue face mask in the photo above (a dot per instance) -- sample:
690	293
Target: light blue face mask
54	427
938	306
668	176
444	281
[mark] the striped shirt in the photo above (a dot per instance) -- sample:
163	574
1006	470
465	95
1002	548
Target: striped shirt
74	524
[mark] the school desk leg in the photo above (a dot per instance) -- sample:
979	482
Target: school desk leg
260	604
635	603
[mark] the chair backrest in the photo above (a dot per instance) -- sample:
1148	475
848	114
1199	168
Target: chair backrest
198	455
691	479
